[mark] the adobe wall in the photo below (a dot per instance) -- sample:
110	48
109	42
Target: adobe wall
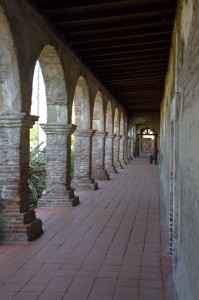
179	141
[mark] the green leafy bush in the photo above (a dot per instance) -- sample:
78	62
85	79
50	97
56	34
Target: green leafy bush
37	179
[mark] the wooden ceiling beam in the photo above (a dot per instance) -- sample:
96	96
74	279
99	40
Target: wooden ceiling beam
155	39
126	49
129	63
112	25
117	77
68	16
132	68
47	6
138	56
128	34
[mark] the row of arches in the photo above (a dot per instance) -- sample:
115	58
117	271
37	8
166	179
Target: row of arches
98	123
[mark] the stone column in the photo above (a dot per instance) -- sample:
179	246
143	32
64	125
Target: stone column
82	160
109	151
20	223
98	156
58	155
126	149
129	155
117	163
122	154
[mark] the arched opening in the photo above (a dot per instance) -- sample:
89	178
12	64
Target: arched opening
117	139
18	222
109	143
98	113
109	118
58	134
148	141
122	154
98	141
37	178
81	105
116	122
80	113
122	124
82	139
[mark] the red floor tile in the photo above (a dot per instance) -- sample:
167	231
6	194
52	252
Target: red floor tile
107	248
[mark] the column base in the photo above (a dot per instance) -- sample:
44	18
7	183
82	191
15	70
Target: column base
111	169
68	199
82	184
22	227
119	166
101	175
124	162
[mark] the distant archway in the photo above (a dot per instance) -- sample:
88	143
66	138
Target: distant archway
146	141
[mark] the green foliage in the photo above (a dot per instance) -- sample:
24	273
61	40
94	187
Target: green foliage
33	137
37	182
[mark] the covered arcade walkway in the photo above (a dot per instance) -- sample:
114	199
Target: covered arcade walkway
111	246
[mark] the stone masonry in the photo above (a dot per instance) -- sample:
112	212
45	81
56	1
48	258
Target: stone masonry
58	151
117	162
20	223
83	160
122	154
109	153
98	156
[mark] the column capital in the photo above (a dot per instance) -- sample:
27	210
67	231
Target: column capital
118	136
85	132
112	135
58	128
101	133
17	120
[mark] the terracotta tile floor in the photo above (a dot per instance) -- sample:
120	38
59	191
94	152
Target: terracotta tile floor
111	246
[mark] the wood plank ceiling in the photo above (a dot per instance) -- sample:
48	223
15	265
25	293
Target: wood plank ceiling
125	43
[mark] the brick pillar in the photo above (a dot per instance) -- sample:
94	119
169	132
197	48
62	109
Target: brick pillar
117	163
128	153
98	156
131	148
20	223
82	160
122	154
126	149
109	151
58	182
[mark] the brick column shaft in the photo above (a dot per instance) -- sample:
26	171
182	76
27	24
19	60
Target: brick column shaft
129	150
58	156
20	223
126	157
117	163
98	156
132	147
109	150
82	160
122	154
